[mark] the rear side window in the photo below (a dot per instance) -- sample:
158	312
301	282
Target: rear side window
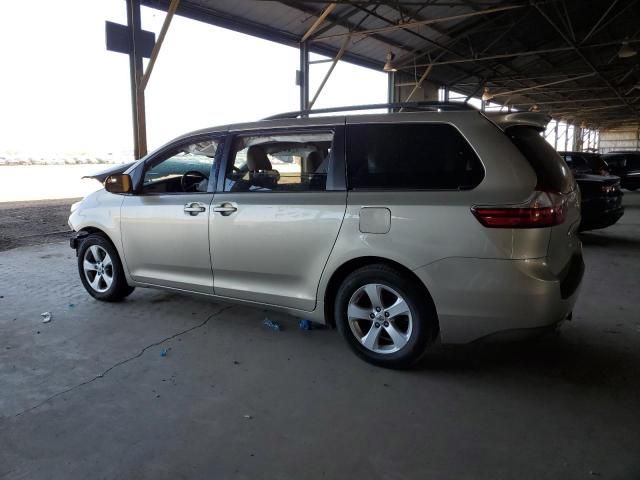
551	170
616	161
579	161
411	156
597	163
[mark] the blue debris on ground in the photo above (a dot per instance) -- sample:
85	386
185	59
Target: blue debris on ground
305	324
271	324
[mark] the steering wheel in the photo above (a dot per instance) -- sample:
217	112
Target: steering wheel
191	179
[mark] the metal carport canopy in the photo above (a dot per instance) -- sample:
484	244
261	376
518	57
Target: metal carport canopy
562	57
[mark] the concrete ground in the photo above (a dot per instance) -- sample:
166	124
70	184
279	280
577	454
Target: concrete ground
90	395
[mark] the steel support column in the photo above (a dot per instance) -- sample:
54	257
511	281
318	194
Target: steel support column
391	88
304	76
135	73
577	139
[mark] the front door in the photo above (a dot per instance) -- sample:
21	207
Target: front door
165	226
275	223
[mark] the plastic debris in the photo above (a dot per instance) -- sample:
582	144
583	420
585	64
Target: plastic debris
164	351
46	317
248	417
271	324
305	324
71	305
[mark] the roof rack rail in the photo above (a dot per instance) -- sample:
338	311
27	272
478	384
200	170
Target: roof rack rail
410	106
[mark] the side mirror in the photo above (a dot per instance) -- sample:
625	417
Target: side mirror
118	183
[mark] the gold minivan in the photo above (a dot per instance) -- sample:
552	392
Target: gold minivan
400	229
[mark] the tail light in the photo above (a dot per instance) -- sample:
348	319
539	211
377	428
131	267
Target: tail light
543	209
609	188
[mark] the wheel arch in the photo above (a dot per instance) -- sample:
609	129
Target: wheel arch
354	264
90	230
94	230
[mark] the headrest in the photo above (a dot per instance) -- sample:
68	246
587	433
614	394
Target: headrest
257	159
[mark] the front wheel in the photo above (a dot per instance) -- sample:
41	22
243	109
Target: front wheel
101	270
384	317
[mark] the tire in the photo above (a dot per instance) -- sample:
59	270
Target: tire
102	275
415	320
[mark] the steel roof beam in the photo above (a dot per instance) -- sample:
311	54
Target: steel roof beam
522	54
584	58
421	23
323	15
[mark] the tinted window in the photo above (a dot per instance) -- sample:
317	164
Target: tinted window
282	162
596	162
550	168
579	161
633	162
411	156
615	161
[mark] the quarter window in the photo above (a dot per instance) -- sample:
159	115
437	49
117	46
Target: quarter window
411	156
281	163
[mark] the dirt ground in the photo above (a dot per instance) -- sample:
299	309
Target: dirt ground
34	222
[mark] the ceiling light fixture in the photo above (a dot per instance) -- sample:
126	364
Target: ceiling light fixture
388	66
626	50
486	96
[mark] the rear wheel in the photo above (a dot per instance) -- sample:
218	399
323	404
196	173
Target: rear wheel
384	316
100	269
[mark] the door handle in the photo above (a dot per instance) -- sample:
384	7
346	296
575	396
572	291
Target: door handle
194	208
225	209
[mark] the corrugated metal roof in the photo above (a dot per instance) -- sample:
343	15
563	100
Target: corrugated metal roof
504	45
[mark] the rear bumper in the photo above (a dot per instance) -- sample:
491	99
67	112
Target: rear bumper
476	298
594	219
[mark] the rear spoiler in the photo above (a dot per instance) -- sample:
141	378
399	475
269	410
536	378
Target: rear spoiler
102	175
528	119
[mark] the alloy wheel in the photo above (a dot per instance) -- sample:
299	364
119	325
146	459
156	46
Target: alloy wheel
380	318
98	268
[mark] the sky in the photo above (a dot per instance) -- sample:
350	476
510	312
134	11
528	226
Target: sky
62	92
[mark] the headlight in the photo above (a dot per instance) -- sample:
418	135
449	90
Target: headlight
74	206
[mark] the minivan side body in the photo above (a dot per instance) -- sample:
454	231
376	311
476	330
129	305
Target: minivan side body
290	245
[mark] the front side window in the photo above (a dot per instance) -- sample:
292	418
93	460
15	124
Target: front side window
186	169
279	163
410	156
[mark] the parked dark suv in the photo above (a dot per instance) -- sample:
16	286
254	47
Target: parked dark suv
601	194
586	162
627	166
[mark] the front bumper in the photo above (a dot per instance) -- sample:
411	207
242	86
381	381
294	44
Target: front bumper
475	298
76	239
